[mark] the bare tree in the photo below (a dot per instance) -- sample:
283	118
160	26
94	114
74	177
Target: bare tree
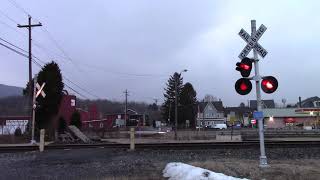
209	98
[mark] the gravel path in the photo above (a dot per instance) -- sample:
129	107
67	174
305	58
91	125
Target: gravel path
294	163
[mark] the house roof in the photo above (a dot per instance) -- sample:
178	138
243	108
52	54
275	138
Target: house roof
217	104
265	104
227	110
284	112
305	103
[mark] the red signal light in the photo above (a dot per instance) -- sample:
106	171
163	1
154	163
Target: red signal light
269	84
244	67
243	86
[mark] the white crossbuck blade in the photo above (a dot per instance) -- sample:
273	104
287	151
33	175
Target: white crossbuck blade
40	90
253	42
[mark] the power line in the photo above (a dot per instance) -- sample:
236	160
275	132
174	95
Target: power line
66	56
13	45
15	4
14	50
38	64
80	87
11	19
12	28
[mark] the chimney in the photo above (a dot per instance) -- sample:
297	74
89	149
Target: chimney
299	102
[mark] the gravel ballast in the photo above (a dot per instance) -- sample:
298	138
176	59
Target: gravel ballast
99	163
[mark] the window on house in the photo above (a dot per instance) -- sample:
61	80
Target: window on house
73	102
101	125
316	103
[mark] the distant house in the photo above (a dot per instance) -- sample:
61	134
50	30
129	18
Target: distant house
310	102
265	104
210	113
238	115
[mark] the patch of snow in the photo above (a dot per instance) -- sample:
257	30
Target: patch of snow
181	171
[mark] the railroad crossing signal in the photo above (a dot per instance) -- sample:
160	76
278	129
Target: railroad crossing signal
269	84
243	86
252	42
39	90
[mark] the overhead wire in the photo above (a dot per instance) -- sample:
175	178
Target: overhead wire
8	17
67	57
14	3
37	63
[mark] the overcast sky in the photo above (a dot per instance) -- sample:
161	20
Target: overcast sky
115	45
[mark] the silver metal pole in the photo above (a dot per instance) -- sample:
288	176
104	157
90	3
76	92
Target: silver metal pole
33	108
263	157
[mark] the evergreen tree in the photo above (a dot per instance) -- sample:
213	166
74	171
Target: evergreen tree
48	107
76	119
168	107
62	125
188	100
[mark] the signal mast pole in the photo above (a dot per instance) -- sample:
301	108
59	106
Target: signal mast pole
257	78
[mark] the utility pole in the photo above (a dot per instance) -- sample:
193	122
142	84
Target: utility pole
30	26
126	108
263	157
34	106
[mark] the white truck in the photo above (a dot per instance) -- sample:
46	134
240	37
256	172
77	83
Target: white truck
219	126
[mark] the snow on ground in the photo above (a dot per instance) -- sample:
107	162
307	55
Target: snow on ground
181	171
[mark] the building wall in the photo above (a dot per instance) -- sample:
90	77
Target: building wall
282	122
67	107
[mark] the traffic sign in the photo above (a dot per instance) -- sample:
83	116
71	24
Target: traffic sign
258	114
253	121
252	42
40	90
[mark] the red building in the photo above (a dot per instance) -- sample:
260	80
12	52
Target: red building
67	107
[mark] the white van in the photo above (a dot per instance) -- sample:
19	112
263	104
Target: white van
219	126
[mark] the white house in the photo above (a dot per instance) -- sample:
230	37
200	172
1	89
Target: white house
210	113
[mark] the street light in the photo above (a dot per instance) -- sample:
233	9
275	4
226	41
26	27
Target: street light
176	103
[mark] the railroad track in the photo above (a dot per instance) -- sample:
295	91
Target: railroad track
171	146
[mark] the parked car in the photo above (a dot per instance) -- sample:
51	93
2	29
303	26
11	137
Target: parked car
219	126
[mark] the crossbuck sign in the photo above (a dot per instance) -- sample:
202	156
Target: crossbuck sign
252	42
40	90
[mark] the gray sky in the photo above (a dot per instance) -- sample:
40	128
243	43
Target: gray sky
119	44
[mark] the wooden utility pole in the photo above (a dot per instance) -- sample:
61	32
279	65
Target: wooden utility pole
30	26
126	108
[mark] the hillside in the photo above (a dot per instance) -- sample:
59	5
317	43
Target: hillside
6	91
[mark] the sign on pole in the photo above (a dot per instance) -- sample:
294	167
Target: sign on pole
258	114
40	90
252	42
